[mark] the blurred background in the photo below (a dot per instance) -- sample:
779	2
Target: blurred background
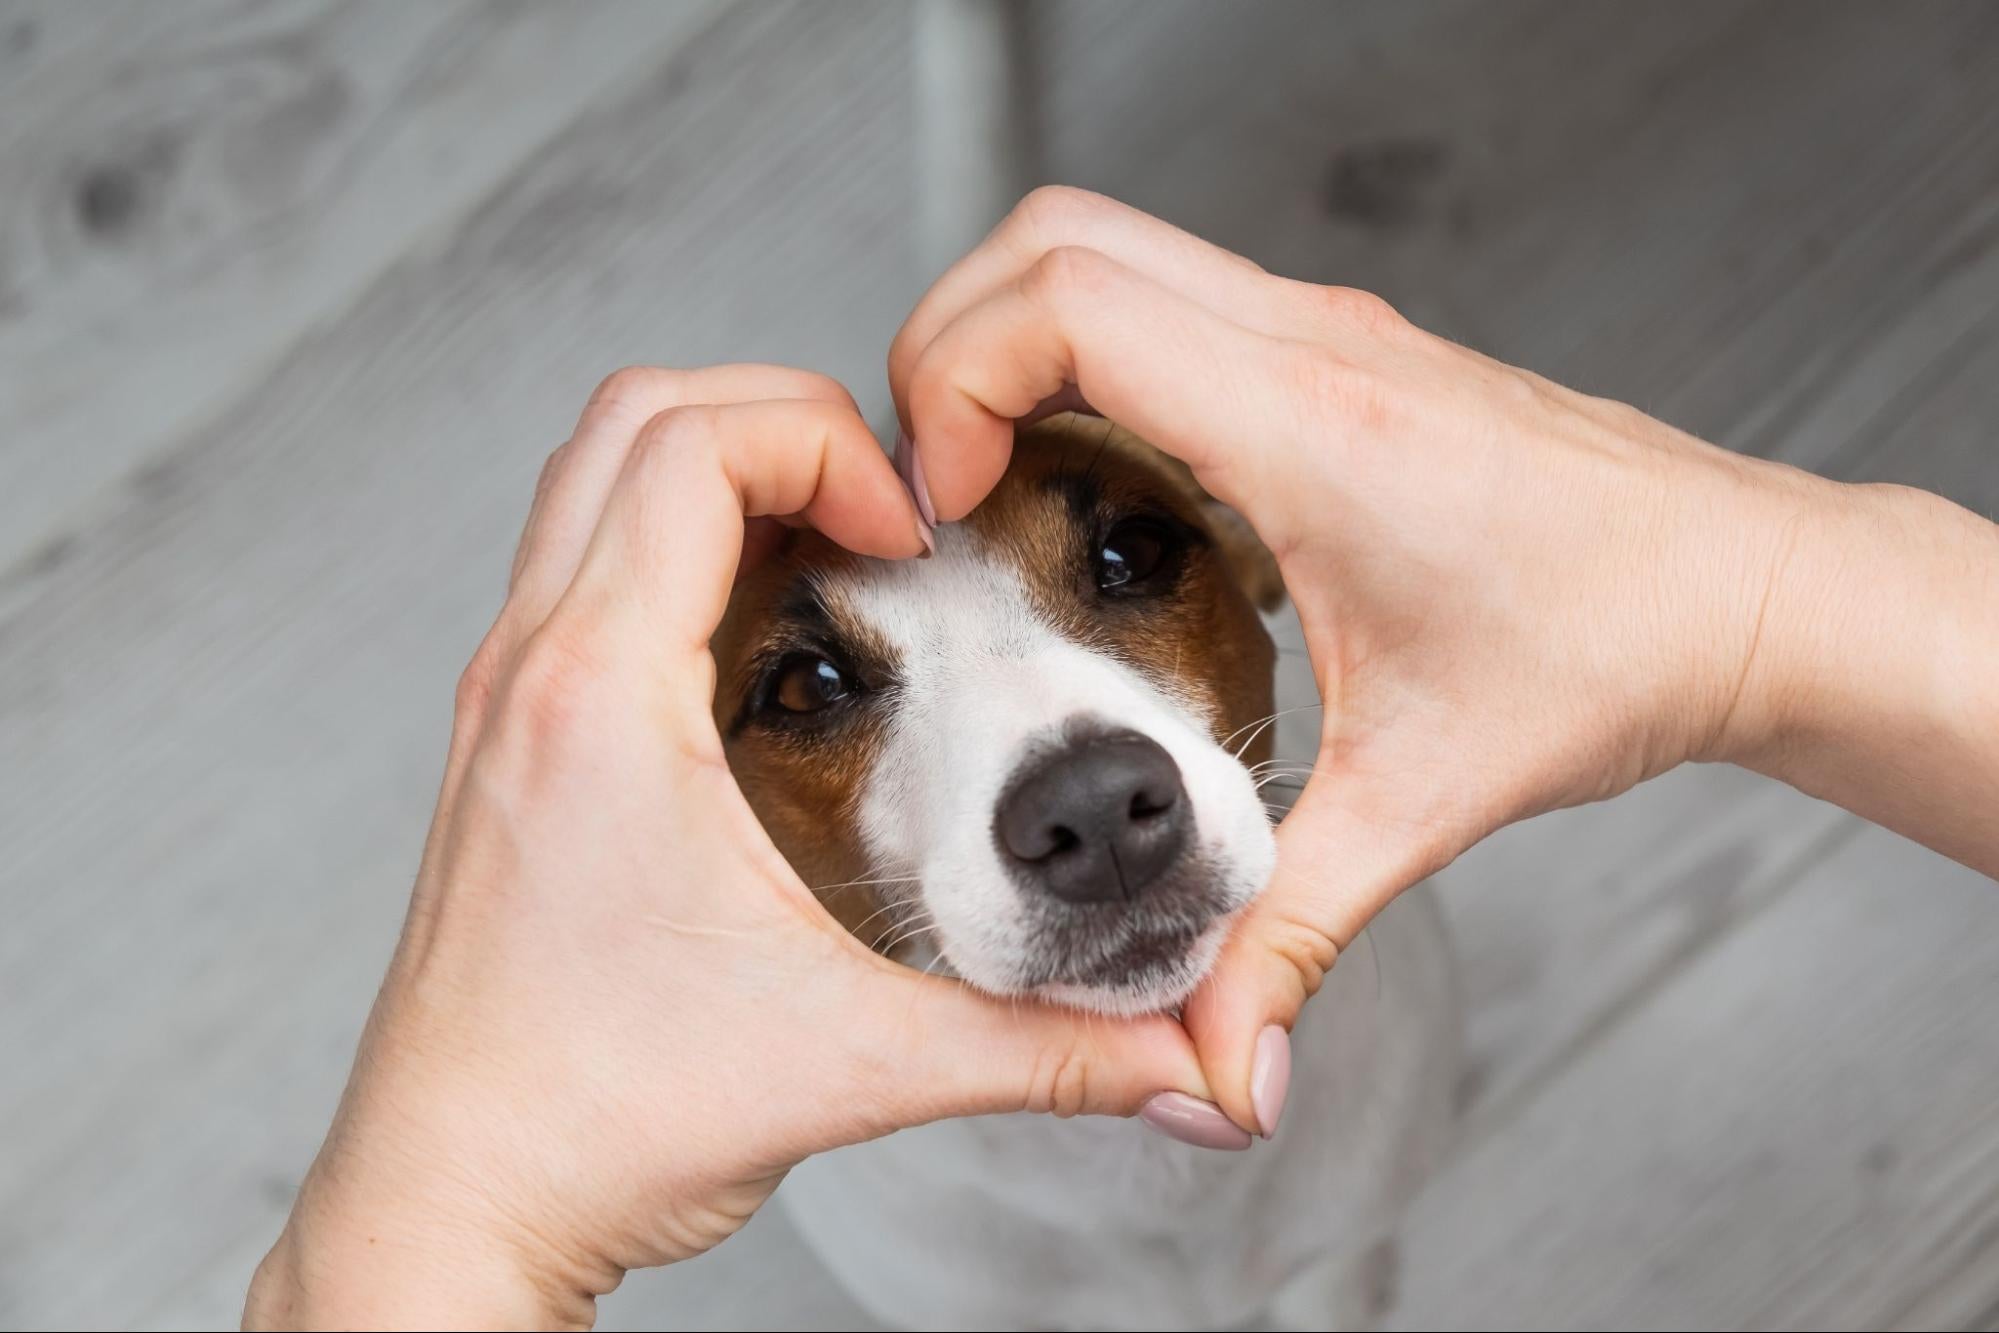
295	298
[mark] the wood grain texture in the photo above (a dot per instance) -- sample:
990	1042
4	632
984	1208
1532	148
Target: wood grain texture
188	190
237	583
1796	1132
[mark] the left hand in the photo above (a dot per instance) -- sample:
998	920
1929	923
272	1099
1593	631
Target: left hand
616	1016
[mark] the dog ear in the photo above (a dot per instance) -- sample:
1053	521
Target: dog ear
1254	567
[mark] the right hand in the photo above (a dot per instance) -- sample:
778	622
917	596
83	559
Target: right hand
1516	597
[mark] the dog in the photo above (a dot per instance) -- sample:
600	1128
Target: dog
1038	762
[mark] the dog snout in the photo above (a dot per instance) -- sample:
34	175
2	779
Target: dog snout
1099	820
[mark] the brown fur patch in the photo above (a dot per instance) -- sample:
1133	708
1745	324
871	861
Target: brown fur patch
804	786
1071	478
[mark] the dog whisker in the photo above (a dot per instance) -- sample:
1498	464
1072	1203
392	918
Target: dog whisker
1224	742
886	907
908	936
890	932
1260	724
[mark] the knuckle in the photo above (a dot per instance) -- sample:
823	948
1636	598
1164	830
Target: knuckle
1061	1082
1307	949
474	694
1329	384
629	384
1048	212
904	350
548	690
811	384
679	429
1362	310
551	467
1066	271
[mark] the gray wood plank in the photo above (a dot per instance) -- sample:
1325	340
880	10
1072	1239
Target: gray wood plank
184	192
1941	431
1796	1132
1565	922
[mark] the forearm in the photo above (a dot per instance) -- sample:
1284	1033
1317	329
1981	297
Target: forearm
1875	680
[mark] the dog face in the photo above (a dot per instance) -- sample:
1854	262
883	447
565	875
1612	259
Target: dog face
1025	757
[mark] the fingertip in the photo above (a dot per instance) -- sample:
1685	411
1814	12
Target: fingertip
909	469
1192	1121
955	480
1223	1036
960	444
1270	1078
1240	1022
866	505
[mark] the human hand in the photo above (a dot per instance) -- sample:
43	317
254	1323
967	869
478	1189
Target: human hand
616	1017
1516	597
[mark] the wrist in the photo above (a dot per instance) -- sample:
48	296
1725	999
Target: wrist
373	1244
390	1269
1840	638
1766	670
1871	672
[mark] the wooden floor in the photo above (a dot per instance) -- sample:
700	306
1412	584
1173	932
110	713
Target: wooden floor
295	297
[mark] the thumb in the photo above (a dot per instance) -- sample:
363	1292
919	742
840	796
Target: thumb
1279	953
951	1051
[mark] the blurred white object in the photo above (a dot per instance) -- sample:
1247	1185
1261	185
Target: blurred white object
1026	1221
974	129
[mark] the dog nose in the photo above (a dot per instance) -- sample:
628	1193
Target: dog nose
1098	821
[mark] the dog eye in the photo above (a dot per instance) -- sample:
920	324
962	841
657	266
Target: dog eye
807	684
1132	552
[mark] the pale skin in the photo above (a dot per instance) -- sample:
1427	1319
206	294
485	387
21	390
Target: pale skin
616	1017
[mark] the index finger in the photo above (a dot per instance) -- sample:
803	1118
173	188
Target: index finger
578	477
664	556
1056	217
1196	384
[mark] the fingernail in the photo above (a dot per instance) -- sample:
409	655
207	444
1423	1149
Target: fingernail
909	465
1191	1120
1270	1077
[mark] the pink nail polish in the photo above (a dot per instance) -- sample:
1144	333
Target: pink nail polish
909	463
1191	1120
1270	1077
